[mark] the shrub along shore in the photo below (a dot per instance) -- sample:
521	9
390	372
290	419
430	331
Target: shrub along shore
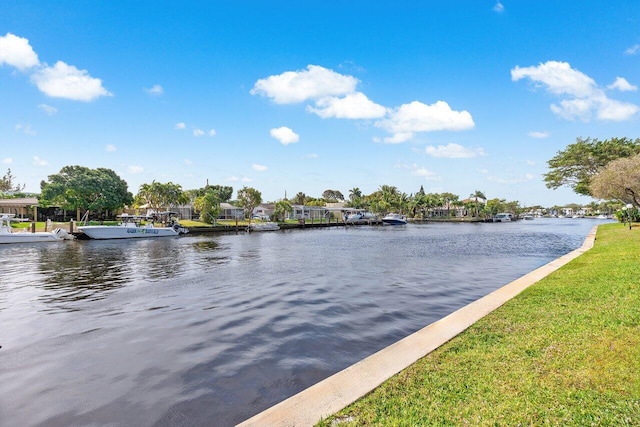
566	351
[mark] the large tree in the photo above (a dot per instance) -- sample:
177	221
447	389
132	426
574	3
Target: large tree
208	205
8	186
222	192
78	187
619	180
332	195
579	162
249	199
158	195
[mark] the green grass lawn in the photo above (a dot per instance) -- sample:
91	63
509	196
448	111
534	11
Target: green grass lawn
564	352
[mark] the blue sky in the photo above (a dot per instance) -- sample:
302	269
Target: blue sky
308	96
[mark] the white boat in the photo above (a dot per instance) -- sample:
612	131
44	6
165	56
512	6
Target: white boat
263	226
361	217
527	217
503	217
7	235
394	219
130	228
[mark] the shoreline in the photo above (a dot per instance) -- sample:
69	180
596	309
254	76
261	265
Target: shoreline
347	386
232	229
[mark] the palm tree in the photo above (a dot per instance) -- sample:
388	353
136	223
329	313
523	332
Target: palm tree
355	194
299	198
281	209
475	196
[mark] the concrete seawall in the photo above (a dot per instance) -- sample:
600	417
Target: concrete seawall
345	387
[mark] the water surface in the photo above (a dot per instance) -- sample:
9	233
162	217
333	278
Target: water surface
210	330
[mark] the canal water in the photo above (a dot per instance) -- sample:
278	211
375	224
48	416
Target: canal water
210	330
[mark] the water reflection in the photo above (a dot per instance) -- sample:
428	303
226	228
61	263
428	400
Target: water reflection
71	273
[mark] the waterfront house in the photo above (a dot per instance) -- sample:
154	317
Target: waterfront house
228	211
265	210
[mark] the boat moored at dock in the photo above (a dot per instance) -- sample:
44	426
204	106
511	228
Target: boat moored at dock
503	217
7	235
263	226
394	219
130	228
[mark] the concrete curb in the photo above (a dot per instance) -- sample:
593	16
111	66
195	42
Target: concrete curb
345	387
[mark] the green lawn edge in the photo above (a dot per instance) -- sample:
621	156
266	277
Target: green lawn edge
566	351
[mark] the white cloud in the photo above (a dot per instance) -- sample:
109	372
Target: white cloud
622	85
574	109
179	126
134	170
311	156
499	7
198	132
37	161
188	162
259	168
334	95
539	135
559	78
48	109
66	81
298	86
110	148
17	52
586	99
633	50
352	106
155	90
419	171
285	135
530	162
7	161
609	109
236	179
408	119
454	151
426	174
529	176
25	128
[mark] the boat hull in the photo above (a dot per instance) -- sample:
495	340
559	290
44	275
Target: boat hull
267	226
104	232
26	237
393	222
394	219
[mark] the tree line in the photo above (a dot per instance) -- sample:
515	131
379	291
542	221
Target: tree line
608	170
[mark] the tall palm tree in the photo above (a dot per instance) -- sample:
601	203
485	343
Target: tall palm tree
355	194
475	196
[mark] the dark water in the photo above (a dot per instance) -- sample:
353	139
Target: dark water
209	330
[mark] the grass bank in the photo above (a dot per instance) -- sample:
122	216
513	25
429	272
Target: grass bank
564	352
